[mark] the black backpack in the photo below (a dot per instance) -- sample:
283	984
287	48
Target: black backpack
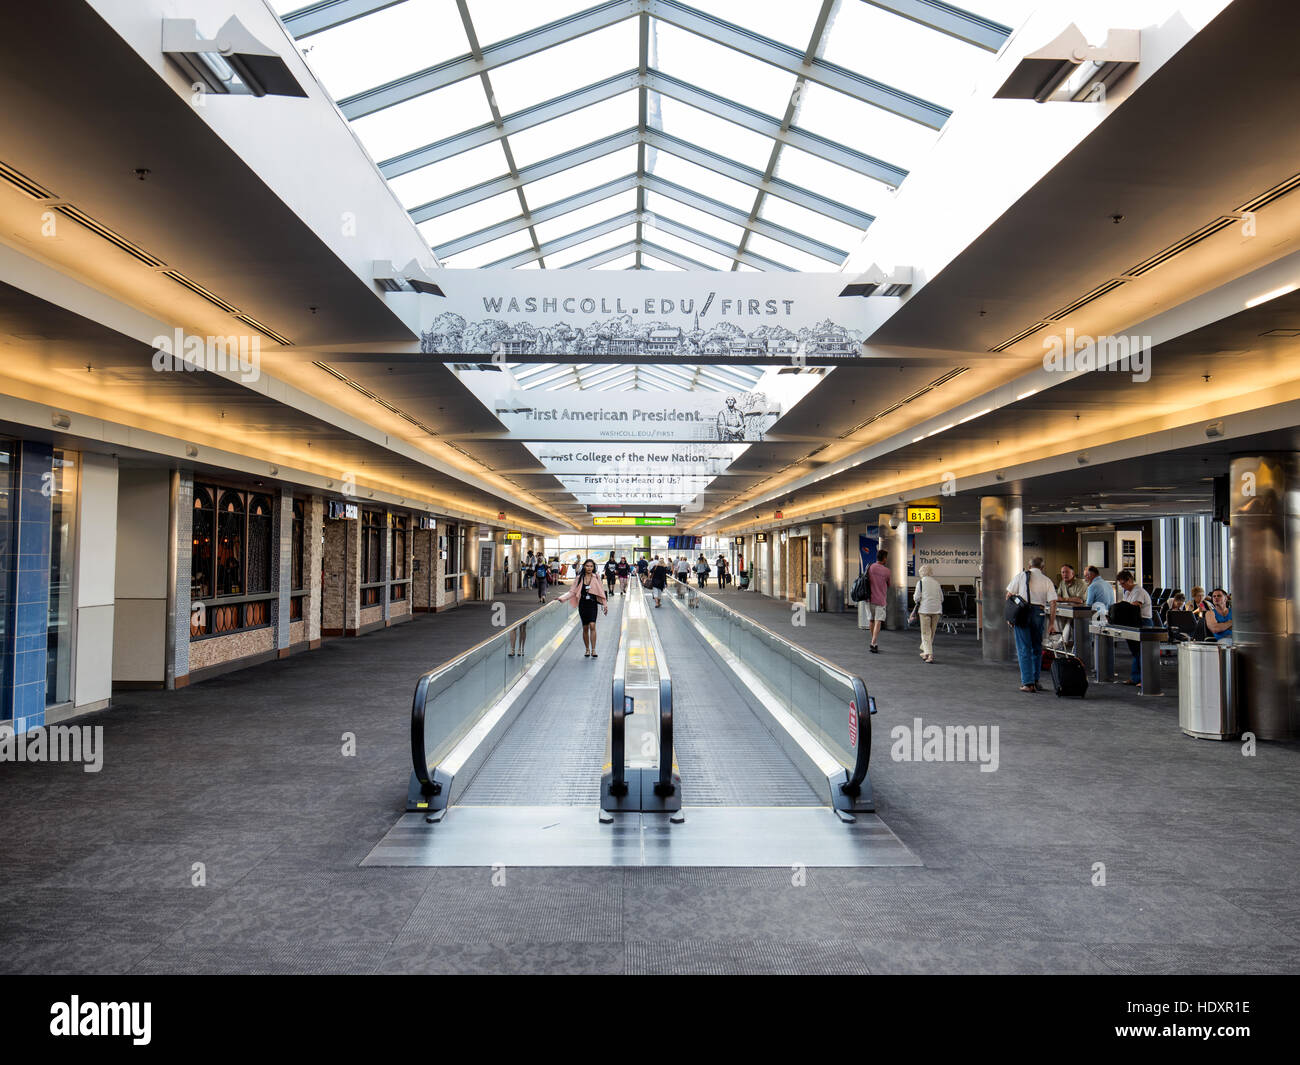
861	588
1126	614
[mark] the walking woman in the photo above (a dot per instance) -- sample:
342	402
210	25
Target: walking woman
659	578
929	604
587	593
702	571
624	570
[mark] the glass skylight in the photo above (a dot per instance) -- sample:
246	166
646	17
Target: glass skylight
583	217
385	46
410	36
451	175
575	129
560	70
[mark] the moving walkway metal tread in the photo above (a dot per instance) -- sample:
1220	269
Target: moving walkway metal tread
552	754
726	754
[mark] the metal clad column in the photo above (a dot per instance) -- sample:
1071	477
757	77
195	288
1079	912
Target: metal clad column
837	569
1258	494
1001	550
896	544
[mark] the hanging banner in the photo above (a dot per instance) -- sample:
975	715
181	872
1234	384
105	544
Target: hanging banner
630	316
705	460
635	488
730	418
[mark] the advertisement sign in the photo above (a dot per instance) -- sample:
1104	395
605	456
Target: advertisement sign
704	460
612	316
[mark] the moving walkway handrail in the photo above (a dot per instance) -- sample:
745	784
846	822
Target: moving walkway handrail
437	680
861	699
664	786
618	709
618	713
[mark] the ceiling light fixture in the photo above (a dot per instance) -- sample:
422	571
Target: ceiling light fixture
411	276
1270	295
1068	68
1026	395
876	282
234	62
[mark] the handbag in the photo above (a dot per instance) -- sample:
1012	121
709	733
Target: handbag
1016	611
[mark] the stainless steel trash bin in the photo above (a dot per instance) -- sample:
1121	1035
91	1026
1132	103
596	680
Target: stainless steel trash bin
864	620
1207	691
812	598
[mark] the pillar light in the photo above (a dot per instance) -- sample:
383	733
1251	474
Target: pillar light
875	281
411	277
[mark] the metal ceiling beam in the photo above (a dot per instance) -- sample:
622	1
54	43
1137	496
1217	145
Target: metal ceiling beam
793	61
737	380
509	125
603	257
642	122
954	21
603	374
317	18
560	244
556	164
677	14
721	247
676	258
539	214
494	55
747	175
726	213
767	126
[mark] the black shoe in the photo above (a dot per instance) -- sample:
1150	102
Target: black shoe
874	649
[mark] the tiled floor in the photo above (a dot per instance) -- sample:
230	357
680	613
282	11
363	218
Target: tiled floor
226	831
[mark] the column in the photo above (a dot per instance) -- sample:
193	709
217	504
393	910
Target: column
312	563
1261	498
386	565
1001	548
469	565
896	541
778	563
181	526
27	623
282	569
837	568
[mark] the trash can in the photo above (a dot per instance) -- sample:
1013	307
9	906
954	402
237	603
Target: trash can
864	620
812	597
1207	691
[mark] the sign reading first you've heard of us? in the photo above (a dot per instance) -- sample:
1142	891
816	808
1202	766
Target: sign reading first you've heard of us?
620	316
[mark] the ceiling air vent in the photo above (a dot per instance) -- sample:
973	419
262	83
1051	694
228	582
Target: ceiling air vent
24	183
1275	193
1019	336
1087	298
1192	239
249	320
102	230
199	290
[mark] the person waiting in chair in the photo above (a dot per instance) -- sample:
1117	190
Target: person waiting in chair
1218	618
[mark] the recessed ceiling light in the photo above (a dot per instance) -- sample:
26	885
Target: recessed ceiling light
1270	295
1026	395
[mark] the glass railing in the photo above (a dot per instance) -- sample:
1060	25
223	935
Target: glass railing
451	699
829	702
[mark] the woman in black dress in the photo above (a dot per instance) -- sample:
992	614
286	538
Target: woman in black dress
587	594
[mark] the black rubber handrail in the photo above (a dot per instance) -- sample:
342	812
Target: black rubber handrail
618	715
424	772
861	698
664	785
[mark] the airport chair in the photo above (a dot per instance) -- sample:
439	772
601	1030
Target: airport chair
954	612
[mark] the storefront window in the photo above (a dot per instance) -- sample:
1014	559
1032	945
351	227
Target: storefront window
299	526
63	514
6	560
230	544
259	545
201	550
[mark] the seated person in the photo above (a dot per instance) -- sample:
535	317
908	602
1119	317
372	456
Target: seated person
1218	618
1072	589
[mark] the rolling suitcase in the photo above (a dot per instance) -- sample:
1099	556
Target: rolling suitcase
1069	678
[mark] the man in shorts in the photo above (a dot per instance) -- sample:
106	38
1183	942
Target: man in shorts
878	575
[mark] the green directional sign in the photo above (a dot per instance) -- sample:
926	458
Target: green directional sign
630	519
